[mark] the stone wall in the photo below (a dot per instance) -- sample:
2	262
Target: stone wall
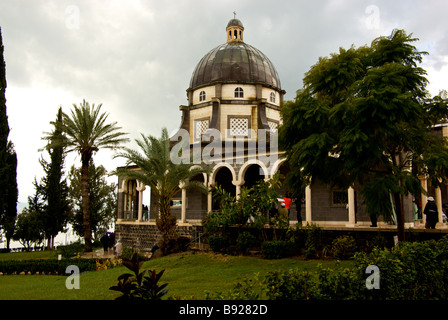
143	236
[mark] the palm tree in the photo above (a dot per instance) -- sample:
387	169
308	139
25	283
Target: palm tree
85	131
163	177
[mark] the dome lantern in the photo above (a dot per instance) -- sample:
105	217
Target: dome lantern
234	31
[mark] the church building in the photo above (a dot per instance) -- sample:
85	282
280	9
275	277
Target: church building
234	101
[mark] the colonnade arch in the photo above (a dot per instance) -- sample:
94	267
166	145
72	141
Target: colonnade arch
192	205
133	208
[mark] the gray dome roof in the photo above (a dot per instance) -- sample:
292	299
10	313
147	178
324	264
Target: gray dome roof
235	62
235	22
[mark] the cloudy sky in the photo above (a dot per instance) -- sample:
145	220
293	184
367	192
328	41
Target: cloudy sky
136	57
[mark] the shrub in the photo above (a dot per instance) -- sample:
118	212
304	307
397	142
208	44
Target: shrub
246	289
128	252
343	247
245	241
339	283
71	250
411	271
290	285
136	286
276	249
218	243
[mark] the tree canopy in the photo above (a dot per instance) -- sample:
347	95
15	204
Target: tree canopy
86	131
364	115
103	200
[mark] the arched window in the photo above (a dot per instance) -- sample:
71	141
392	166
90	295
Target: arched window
272	97
202	96
239	93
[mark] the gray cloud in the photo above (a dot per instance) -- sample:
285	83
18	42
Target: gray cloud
137	57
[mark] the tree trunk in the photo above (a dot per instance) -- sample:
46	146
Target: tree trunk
86	204
166	223
398	198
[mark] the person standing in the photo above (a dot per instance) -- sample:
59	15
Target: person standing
418	202
105	241
298	202
432	214
288	203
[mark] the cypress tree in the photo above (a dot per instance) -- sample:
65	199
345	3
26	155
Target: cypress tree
8	161
54	187
4	127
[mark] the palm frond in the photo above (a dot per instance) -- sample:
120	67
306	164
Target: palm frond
85	130
156	168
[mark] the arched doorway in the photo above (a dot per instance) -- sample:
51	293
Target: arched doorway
297	212
252	175
130	200
223	178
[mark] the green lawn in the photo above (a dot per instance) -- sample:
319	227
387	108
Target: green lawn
187	275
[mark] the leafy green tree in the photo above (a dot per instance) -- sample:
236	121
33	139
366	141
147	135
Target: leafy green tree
364	115
85	131
29	225
163	177
103	200
29	228
8	161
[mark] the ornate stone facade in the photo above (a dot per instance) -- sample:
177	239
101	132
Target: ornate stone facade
234	102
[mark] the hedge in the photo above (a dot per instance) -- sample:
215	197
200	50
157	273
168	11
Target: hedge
45	265
409	271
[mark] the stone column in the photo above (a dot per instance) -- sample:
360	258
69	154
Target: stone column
438	199
129	204
424	184
209	199
237	185
120	203
351	207
308	204
183	216
140	190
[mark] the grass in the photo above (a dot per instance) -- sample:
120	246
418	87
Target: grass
188	276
